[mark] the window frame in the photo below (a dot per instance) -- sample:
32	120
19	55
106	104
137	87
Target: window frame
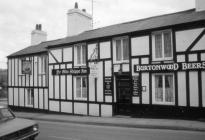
122	60
163	58
81	90
30	97
163	102
81	55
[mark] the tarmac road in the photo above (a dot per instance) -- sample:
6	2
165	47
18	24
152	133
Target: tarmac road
69	131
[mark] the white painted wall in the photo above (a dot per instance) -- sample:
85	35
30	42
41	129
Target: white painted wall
180	58
145	82
16	96
182	89
21	96
67	54
50	82
66	107
9	72
62	84
41	101
91	48
135	100
200	44
140	45
194	91
54	106
203	88
10	95
200	5
35	98
91	89
46	98
57	84
106	110
108	68
105	50
108	99
185	38
203	56
80	108
192	57
69	87
100	83
57	53
94	109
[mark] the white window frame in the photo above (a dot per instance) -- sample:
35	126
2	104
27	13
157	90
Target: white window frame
81	53
30	97
43	64
163	80
115	50
163	58
81	90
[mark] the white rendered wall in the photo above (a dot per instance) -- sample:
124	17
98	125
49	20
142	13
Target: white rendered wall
200	5
50	82
69	87
108	68
194	91
41	99
21	97
54	106
185	38
105	51
91	48
57	84
78	22
100	83
203	88
145	83
140	45
67	54
182	89
62	84
46	98
200	44
94	109
66	107
35	98
57	54
10	95
80	108
16	96
106	110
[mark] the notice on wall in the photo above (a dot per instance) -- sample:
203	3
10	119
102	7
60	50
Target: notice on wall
108	85
26	67
136	85
72	71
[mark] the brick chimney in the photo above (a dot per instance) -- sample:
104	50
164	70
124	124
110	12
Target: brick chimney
78	21
37	35
200	5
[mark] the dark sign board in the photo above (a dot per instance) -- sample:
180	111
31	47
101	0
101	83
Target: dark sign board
108	85
136	85
71	71
191	66
26	67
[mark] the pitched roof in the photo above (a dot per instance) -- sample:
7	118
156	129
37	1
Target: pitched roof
117	29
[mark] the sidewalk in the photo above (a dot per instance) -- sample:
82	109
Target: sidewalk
118	121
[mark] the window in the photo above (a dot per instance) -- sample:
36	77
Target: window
43	64
122	49
162	46
81	87
163	88
80	55
30	97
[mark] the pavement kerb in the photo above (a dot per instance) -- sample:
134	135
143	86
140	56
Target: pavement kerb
145	126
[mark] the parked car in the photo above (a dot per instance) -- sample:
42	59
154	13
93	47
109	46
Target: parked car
12	128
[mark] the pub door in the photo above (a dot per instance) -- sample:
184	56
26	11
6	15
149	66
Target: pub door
123	93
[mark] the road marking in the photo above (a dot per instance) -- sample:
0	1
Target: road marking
63	138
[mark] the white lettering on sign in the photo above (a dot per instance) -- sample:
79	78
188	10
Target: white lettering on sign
171	67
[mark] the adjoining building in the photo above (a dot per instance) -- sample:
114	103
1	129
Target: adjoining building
148	67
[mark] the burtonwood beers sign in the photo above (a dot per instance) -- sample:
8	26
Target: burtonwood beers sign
171	67
71	71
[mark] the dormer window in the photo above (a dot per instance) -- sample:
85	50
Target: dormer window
162	46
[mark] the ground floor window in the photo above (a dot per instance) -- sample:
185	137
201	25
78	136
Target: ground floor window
81	87
163	88
30	97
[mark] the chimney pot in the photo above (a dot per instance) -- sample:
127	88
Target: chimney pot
76	5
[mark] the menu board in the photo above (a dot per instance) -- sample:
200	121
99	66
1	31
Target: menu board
136	85
108	85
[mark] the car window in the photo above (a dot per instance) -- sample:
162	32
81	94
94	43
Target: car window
5	114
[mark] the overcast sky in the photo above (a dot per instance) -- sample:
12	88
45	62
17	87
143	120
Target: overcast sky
18	17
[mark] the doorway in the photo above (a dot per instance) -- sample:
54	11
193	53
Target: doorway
123	94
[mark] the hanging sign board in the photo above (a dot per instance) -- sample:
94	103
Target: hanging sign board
191	66
108	85
94	70
71	71
136	85
26	67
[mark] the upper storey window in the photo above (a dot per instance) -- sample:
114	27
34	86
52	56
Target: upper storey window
162	46
121	49
80	54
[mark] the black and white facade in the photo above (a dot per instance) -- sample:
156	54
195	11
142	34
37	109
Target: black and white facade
154	66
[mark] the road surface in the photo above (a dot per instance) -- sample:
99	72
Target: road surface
69	131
